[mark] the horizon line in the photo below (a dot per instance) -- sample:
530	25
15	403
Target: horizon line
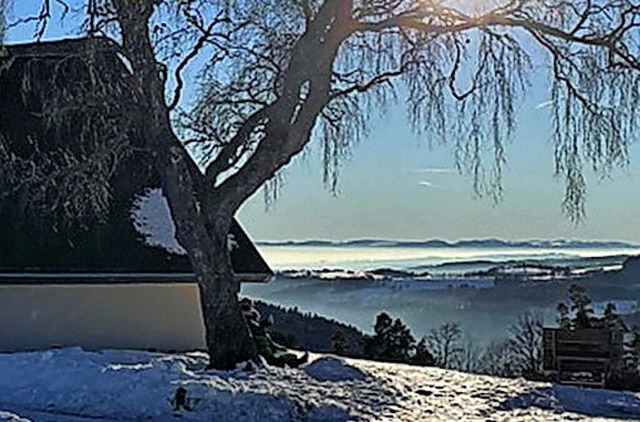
445	240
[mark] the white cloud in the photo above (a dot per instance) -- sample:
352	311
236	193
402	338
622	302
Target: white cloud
434	170
544	104
427	184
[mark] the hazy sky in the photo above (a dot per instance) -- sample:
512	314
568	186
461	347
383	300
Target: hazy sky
396	187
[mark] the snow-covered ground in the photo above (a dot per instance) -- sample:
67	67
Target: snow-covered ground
74	385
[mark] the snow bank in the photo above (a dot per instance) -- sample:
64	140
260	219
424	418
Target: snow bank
74	385
334	369
10	417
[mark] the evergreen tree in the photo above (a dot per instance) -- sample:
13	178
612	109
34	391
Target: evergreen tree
580	307
402	342
340	343
635	351
611	317
563	316
392	340
423	355
374	345
579	313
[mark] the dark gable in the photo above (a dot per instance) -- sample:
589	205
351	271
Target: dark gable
36	73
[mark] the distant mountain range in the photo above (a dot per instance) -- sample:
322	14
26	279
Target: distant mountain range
471	243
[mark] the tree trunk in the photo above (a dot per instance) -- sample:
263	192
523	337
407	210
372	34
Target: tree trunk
202	231
227	335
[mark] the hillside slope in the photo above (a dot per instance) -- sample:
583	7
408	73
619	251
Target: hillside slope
307	331
74	385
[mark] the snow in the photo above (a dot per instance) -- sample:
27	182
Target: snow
384	278
75	385
333	275
7	416
152	218
334	369
441	283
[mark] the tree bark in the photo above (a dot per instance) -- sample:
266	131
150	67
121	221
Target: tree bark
202	229
227	336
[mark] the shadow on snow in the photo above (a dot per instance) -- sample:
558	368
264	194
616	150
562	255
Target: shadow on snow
583	401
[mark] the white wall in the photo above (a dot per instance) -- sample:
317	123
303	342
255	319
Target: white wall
130	316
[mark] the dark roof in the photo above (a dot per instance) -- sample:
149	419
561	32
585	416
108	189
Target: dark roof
127	243
64	48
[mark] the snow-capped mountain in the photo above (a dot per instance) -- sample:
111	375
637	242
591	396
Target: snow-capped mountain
468	243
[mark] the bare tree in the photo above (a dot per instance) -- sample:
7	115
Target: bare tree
519	355
497	360
525	344
278	74
445	343
470	357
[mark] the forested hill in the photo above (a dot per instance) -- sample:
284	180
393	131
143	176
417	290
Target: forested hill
310	331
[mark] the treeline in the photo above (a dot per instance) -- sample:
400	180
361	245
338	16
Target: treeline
448	347
392	341
519	355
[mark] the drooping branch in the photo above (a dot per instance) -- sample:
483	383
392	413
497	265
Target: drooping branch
69	182
591	30
463	73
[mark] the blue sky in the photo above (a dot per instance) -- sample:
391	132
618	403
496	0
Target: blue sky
397	187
